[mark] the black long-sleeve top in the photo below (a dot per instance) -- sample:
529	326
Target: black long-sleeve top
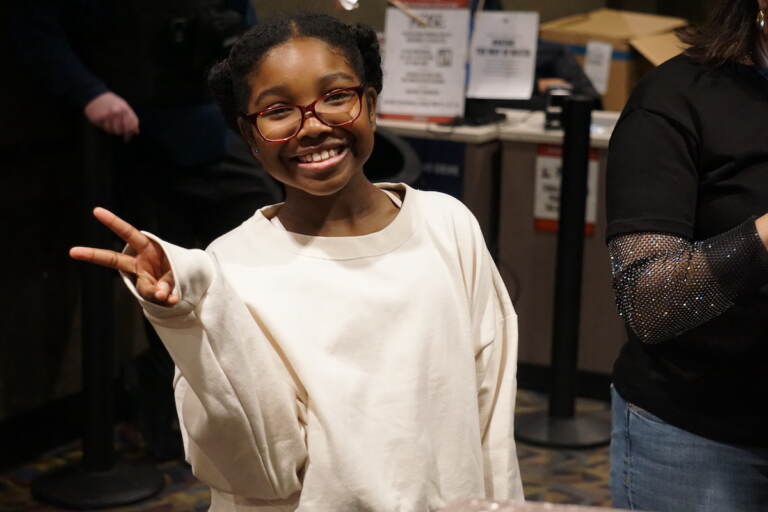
687	176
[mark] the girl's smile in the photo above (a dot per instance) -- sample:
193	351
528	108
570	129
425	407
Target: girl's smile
320	160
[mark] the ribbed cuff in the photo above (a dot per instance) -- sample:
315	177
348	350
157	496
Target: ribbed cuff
193	273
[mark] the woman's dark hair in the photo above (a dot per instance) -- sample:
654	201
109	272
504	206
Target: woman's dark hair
228	80
730	35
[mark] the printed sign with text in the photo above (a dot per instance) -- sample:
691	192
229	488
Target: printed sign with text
425	69
546	203
503	55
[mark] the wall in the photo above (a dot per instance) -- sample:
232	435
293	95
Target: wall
370	12
38	159
42	211
553	9
693	11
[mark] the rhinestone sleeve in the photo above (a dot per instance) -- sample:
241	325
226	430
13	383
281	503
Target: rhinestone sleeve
666	285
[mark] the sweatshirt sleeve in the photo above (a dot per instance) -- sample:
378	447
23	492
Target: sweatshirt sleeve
495	331
497	375
237	401
39	38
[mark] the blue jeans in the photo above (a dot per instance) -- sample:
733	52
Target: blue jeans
658	467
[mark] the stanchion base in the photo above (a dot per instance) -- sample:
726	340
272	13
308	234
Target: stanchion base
73	487
585	430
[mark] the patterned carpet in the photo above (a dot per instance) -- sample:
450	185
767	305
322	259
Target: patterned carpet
578	477
558	476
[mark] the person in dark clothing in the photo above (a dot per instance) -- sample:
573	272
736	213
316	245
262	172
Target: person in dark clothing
137	69
687	232
556	66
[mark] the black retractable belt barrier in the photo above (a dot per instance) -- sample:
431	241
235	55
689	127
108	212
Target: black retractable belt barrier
560	427
98	482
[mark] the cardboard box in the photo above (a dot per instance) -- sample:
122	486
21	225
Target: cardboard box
639	41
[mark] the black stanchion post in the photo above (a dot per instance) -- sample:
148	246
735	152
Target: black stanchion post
97	311
577	118
560	427
98	482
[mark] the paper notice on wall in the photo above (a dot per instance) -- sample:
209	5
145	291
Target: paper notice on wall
597	64
425	68
503	55
546	198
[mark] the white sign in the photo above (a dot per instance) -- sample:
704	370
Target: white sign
425	69
503	55
597	64
546	203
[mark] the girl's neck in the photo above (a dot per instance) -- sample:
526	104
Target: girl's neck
360	208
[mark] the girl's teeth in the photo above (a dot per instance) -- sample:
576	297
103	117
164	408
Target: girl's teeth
319	157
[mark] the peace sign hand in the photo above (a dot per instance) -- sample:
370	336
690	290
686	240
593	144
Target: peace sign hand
150	267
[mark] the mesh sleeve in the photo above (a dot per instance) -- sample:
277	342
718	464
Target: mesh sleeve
666	285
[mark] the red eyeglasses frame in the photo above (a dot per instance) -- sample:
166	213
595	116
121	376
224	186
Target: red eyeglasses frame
253	117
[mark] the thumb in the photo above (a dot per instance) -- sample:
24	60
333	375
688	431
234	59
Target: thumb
146	285
165	291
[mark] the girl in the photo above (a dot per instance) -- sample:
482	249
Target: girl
352	348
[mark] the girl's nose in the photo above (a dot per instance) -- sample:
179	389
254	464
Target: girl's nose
313	127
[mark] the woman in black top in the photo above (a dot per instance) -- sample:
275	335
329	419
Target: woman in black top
688	238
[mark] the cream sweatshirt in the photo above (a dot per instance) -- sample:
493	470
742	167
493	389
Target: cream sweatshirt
345	374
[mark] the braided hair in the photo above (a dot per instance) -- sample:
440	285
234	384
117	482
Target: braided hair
228	80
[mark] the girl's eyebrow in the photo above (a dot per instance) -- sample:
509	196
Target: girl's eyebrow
278	90
282	90
328	79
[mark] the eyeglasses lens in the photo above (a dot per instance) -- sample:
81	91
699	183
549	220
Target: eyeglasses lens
279	123
336	109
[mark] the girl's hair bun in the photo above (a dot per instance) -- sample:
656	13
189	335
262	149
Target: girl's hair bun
368	45
222	89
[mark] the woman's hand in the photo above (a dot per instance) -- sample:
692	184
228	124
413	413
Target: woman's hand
762	229
151	270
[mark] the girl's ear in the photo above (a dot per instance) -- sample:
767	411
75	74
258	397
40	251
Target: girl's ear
371	98
246	130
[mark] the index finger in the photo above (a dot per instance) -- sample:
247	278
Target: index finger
105	258
129	234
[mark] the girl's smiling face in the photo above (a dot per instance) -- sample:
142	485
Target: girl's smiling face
298	72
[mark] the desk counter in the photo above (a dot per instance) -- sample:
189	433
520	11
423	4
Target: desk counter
528	126
435	131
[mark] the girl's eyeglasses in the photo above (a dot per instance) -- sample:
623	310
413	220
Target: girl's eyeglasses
339	107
